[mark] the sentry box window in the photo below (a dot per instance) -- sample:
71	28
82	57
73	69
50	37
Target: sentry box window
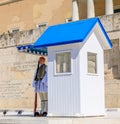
63	62
92	62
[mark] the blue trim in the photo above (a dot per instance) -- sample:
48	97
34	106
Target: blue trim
109	41
62	43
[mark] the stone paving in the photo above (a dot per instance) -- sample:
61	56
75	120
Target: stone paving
111	117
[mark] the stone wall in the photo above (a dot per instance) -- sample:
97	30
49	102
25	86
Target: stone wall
17	69
16	73
112	61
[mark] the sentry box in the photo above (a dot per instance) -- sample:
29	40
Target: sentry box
75	67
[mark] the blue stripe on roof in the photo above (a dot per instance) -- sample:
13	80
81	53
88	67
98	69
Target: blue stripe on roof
66	33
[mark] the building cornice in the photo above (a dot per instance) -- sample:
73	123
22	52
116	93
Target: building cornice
4	2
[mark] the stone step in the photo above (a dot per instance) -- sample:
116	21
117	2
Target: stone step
22	120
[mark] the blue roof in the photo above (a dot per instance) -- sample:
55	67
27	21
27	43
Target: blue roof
67	33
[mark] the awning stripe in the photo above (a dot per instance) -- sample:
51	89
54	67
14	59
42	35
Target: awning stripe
30	49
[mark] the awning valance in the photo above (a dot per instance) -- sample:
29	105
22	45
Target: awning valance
30	49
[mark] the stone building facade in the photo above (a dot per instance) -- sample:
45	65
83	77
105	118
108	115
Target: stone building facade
23	21
29	14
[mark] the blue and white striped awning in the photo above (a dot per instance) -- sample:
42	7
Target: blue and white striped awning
30	49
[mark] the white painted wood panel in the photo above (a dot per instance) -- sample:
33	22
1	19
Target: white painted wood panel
92	85
64	90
